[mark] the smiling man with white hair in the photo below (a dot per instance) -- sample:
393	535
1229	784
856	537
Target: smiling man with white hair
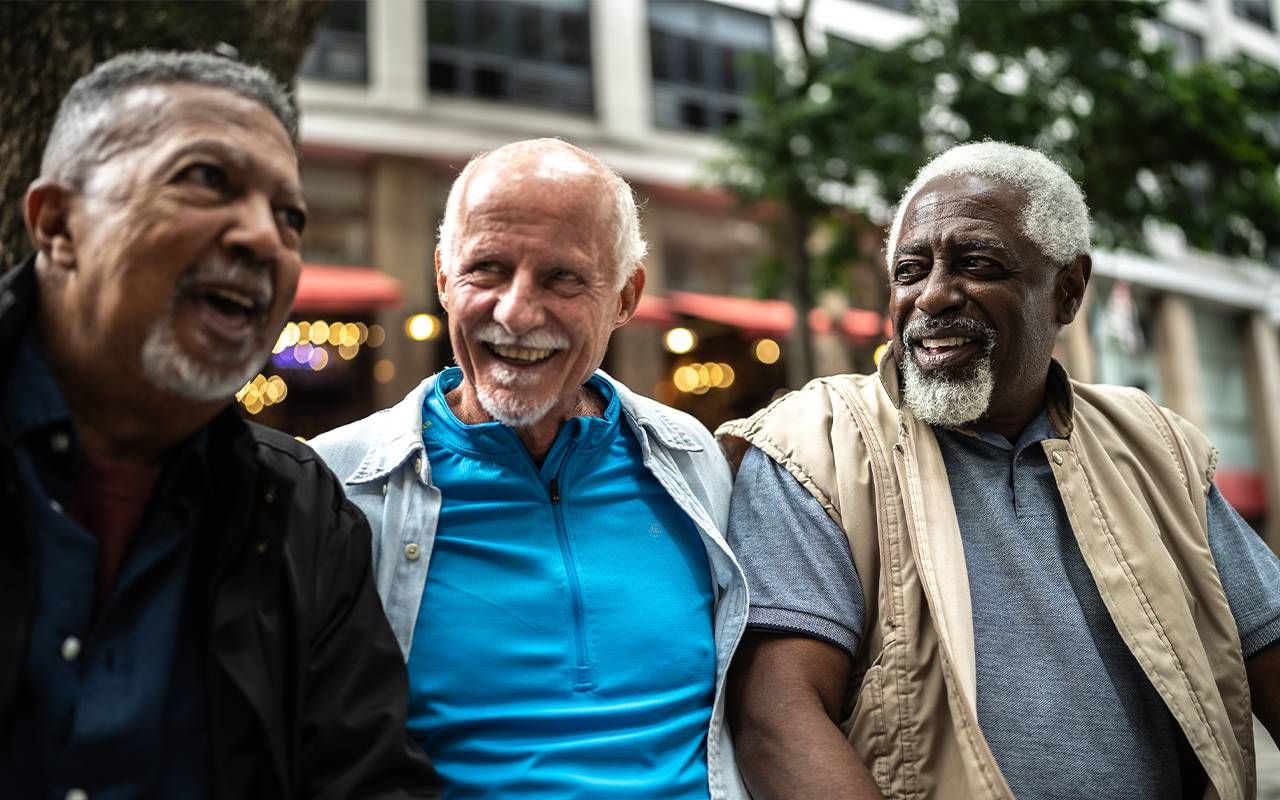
972	577
548	544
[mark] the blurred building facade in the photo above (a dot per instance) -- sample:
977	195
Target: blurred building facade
398	94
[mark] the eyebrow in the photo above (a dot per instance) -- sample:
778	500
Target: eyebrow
983	244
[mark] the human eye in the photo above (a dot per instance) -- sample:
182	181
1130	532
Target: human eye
209	176
981	266
907	272
293	218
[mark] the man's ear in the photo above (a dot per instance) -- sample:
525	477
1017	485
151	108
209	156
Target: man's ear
1071	287
630	297
47	211
442	282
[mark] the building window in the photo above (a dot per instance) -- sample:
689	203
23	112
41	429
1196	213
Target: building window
534	52
701	55
341	49
1187	47
1228	419
1256	11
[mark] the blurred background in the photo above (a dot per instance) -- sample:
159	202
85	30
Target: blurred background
767	141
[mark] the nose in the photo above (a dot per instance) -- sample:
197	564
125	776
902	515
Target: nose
520	308
940	292
254	236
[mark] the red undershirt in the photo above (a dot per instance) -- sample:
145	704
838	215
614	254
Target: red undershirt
109	501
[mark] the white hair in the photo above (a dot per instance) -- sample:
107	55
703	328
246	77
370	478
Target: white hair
1055	218
629	247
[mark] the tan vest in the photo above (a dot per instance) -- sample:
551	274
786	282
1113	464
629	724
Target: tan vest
1133	478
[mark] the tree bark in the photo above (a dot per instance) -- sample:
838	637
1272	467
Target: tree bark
46	46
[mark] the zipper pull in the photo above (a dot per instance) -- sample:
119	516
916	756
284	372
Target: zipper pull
555	492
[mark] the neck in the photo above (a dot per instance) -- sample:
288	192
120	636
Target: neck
538	437
115	418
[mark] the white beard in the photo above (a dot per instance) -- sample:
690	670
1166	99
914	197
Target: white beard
503	396
946	401
168	368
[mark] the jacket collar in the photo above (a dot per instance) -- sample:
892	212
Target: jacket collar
1059	396
17	303
398	434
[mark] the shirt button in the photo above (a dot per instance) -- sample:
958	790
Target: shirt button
412	551
56	506
70	649
1057	459
60	442
77	794
384	489
417	465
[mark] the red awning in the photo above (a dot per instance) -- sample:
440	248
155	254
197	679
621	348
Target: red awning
654	310
772	317
326	289
1243	490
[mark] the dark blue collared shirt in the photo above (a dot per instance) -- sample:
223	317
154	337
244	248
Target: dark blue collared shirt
112	701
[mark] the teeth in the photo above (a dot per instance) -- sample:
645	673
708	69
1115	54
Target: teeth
521	353
234	297
950	341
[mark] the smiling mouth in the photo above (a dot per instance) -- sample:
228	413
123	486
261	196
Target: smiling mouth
521	356
946	352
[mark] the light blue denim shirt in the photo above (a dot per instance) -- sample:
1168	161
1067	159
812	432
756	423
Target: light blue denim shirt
382	465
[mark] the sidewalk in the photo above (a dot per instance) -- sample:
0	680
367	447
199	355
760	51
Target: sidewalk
1268	764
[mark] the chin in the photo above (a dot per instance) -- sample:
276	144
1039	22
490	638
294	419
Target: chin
512	408
167	367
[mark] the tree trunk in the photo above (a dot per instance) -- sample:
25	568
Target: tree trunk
800	364
46	46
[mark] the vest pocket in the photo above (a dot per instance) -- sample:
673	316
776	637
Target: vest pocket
866	727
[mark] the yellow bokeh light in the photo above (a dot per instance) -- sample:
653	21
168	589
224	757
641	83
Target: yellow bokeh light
304	332
700	389
704	375
319	359
715	374
259	381
377	335
879	353
385	370
319	333
422	327
274	391
728	378
767	351
680	340
350	336
348	351
254	407
685	378
364	332
336	331
290	334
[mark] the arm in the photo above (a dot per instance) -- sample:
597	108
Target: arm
784	703
353	739
1264	686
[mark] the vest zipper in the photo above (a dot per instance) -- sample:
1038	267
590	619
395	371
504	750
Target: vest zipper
583	674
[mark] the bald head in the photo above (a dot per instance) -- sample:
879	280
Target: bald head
541	169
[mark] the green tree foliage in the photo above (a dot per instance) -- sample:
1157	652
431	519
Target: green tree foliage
1088	82
45	46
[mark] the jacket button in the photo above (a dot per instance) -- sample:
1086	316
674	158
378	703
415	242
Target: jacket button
60	442
70	648
77	794
412	551
270	494
1057	459
261	547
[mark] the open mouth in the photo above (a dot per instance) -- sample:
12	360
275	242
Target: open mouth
521	356
946	352
228	311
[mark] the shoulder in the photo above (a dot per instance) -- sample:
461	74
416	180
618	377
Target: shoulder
374	437
284	456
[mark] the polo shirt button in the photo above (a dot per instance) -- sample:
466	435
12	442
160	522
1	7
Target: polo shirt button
70	648
1057	459
77	794
417	465
60	442
412	551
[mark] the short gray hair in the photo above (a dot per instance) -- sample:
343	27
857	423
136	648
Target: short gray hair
90	112
1055	219
629	247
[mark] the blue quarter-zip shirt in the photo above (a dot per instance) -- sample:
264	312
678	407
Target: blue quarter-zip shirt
564	641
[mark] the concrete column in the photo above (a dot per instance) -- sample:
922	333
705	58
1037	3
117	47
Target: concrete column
620	68
1179	358
402	244
397	35
1262	371
1076	347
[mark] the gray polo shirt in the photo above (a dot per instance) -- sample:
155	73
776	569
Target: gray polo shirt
1064	705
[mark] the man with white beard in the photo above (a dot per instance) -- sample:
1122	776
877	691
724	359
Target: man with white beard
186	604
548	545
971	577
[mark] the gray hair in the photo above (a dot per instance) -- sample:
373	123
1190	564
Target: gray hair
1055	219
89	117
629	247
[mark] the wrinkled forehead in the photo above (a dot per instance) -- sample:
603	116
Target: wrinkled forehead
951	203
557	184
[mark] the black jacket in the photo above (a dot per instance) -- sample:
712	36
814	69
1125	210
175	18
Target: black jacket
307	687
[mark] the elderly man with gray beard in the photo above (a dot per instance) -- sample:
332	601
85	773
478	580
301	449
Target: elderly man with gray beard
972	577
548	544
186	604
